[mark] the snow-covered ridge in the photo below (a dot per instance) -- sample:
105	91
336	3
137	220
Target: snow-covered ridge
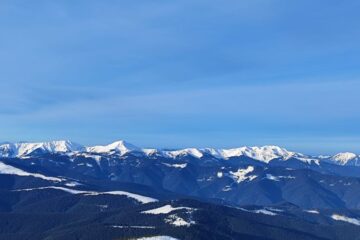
24	148
10	170
139	198
346	158
120	147
338	217
263	153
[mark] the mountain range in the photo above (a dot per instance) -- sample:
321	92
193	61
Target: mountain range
263	153
63	190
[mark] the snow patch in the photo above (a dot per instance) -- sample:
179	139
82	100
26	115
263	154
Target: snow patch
184	165
226	189
309	160
264	211
312	211
157	238
138	227
241	174
277	178
137	197
97	158
260	211
338	217
166	209
10	170
68	190
274	209
178	221
72	184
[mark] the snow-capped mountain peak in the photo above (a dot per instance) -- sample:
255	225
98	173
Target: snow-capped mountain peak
24	148
346	158
264	153
194	152
121	147
63	146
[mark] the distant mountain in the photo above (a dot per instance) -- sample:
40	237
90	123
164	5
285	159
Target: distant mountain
120	147
268	174
264	154
25	149
347	158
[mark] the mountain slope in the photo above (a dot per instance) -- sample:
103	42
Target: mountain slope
51	213
234	181
119	191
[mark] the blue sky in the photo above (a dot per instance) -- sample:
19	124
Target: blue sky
182	73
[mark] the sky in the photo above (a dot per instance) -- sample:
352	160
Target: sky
174	74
